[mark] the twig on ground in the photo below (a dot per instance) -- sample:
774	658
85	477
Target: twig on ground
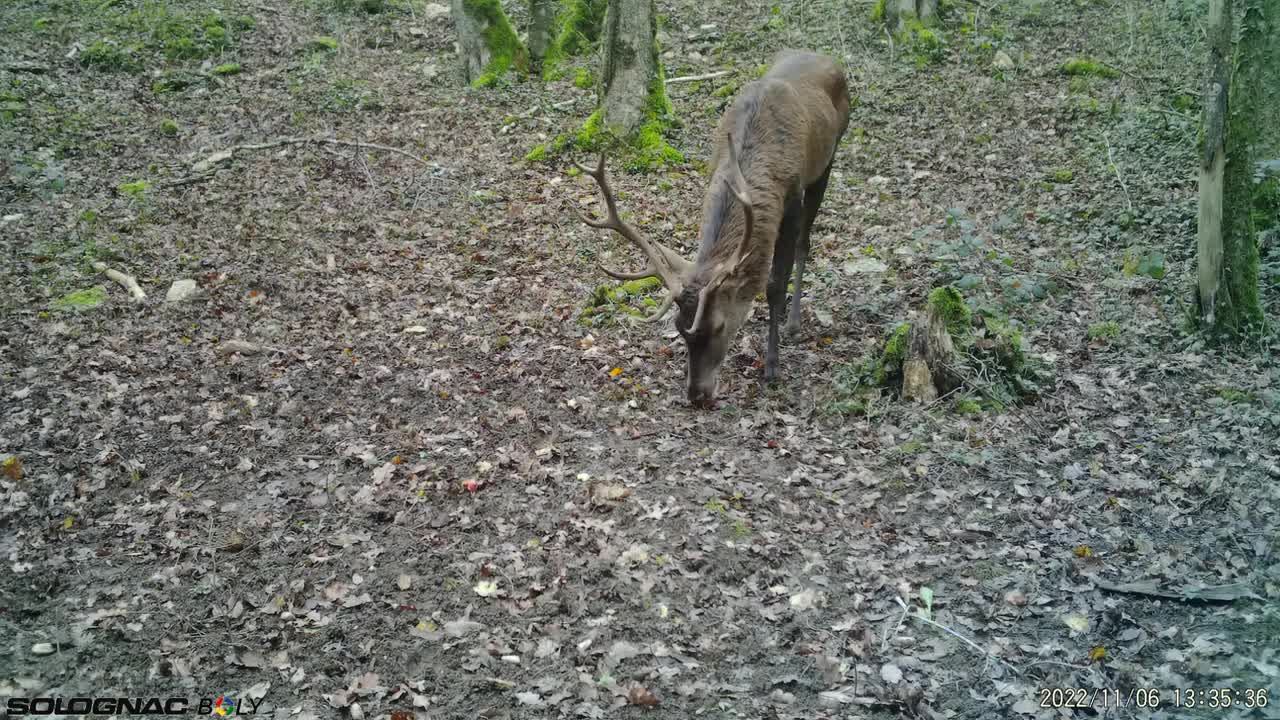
127	281
201	169
959	637
1174	113
1216	593
884	641
696	78
26	66
1112	161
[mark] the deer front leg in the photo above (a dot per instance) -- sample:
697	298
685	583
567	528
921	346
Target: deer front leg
784	252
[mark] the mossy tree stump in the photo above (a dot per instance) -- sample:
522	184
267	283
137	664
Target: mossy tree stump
487	44
929	359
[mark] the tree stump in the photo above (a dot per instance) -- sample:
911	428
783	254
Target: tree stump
928	366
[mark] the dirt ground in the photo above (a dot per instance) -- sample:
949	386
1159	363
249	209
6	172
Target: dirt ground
384	461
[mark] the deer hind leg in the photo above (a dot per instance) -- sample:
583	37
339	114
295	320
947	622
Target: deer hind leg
784	251
812	199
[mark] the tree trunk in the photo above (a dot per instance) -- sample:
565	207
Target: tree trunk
632	72
487	45
1227	252
542	15
1213	159
902	12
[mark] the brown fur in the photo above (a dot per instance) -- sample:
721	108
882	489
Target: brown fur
785	126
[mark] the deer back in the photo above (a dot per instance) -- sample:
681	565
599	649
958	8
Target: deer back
785	126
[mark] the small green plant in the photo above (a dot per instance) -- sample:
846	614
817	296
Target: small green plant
968	406
1109	330
227	69
538	153
1087	67
583	79
169	127
1062	176
322	44
1149	263
107	55
136	190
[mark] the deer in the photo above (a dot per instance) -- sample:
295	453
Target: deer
773	152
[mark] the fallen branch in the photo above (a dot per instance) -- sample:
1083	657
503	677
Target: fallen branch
1214	593
26	66
127	281
203	167
959	637
696	78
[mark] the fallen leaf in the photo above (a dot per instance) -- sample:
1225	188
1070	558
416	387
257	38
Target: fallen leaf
1078	623
641	696
532	699
611	492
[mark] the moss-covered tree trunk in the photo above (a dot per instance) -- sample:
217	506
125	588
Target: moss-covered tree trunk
1227	247
576	28
542	16
632	72
487	44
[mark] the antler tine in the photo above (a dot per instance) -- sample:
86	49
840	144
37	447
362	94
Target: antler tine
649	271
660	312
660	261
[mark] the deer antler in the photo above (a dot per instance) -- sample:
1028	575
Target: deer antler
737	183
662	262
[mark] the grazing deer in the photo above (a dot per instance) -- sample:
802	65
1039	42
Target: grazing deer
773	153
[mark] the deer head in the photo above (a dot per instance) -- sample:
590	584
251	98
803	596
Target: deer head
711	306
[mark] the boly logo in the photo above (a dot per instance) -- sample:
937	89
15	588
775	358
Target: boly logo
227	707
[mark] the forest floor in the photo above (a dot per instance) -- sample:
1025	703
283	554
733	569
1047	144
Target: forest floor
383	460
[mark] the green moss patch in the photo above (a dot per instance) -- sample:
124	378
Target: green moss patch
506	53
1087	67
577	29
80	300
608	302
951	307
129	36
